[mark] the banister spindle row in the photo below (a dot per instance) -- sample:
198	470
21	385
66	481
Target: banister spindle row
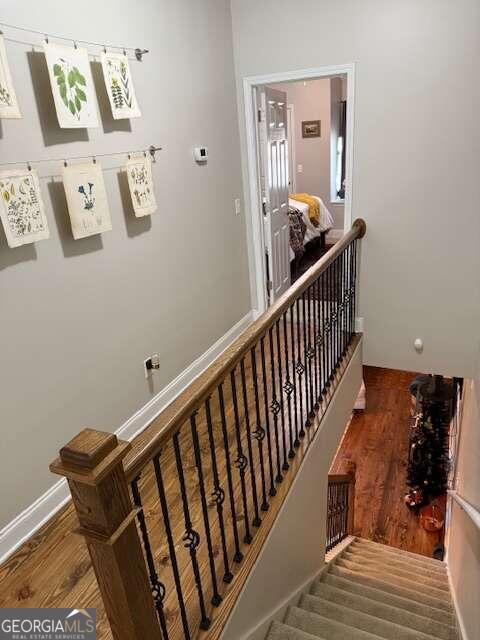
202	490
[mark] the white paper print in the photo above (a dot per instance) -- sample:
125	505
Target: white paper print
72	86
8	100
86	199
21	209
119	85
140	181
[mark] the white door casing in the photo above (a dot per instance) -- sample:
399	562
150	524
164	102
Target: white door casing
273	145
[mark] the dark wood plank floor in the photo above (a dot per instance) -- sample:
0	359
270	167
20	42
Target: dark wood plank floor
377	440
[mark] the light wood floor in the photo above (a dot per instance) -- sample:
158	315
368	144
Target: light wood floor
377	440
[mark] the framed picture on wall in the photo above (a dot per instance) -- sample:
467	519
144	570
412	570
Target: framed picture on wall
311	129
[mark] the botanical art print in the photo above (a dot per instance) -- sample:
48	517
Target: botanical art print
139	172
86	199
72	86
8	99
21	209
119	85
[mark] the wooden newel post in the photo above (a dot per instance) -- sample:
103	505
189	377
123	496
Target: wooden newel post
93	464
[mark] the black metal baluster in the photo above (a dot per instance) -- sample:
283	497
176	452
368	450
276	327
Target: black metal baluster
343	304
336	313
171	545
238	557
256	520
218	493
323	279
259	433
272	490
306	356
331	323
319	339
314	302
285	465
311	353
354	281
241	462
158	588
350	290
288	387
300	369
294	383
216	598
191	538
275	406
345	300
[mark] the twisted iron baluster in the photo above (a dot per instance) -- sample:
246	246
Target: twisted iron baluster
285	465
296	442
314	303
272	490
324	343
158	588
330	326
288	387
218	493
238	557
344	302
191	538
171	545
308	409
259	433
300	369
318	339
241	462
216	598
310	353
256	520
275	406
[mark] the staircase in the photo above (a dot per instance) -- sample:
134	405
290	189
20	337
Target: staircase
371	591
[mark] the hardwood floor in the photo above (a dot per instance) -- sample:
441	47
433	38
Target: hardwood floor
377	441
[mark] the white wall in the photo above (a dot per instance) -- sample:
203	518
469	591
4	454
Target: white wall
79	317
464	537
416	157
295	549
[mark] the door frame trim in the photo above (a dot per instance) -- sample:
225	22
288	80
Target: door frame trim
291	150
256	239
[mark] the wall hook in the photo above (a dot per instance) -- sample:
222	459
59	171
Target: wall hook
139	53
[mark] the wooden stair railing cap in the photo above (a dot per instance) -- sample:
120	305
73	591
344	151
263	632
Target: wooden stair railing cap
90	456
150	442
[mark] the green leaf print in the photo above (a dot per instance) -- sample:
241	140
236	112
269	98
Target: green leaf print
69	81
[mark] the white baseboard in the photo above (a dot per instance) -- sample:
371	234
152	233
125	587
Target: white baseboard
39	512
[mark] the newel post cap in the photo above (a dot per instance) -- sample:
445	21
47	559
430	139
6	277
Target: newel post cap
90	456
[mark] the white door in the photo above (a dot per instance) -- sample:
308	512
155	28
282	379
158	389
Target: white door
273	154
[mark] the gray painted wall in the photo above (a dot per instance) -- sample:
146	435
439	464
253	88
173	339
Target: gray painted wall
464	537
79	317
416	158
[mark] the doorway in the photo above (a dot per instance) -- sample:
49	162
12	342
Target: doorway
261	255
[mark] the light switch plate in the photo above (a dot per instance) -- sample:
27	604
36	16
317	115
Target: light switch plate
238	206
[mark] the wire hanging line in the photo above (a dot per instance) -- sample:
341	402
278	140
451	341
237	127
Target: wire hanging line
139	52
151	150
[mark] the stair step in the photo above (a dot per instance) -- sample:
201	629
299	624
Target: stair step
361	551
383	548
372	592
399	615
388	576
322	627
280	631
384	585
414	573
365	621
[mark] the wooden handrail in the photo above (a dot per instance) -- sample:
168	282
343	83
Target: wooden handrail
150	441
344	478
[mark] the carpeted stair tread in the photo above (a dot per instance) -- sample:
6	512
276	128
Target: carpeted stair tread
373	592
280	631
385	585
396	560
387	576
399	615
359	620
382	548
322	627
416	574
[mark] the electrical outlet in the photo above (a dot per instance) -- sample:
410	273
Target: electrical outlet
238	206
151	364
